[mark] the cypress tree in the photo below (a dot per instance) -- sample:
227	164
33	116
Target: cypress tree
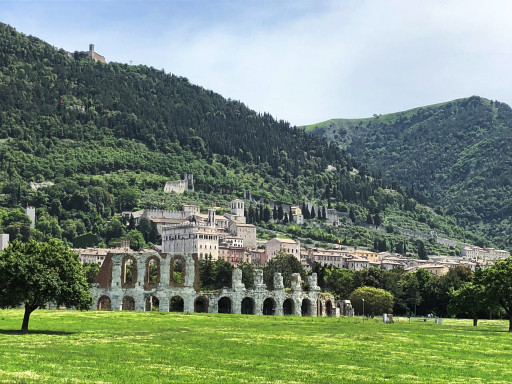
280	213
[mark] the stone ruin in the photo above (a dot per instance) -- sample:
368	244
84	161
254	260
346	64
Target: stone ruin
143	281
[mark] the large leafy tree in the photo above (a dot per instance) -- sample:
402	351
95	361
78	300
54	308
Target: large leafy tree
497	282
376	300
284	263
33	274
469	300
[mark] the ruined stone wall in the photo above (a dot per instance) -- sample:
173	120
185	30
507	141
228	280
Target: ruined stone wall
113	291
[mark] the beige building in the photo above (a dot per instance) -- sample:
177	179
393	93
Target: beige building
477	253
334	257
298	217
91	55
247	232
191	238
205	234
357	264
288	245
97	255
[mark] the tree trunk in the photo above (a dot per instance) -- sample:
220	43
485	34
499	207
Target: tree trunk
475	320
26	318
510	322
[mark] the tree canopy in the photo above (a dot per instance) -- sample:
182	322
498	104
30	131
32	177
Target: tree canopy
35	274
376	301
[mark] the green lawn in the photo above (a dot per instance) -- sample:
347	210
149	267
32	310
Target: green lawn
144	347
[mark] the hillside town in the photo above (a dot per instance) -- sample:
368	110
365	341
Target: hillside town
230	238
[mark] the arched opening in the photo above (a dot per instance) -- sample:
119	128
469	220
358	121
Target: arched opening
247	306
224	305
176	304
129	272
305	308
328	307
104	304
152	304
177	277
319	308
201	305
128	304
269	307
288	307
152	277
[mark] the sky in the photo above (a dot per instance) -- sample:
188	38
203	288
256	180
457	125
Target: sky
301	61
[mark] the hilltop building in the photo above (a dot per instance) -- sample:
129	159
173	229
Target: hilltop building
91	55
180	186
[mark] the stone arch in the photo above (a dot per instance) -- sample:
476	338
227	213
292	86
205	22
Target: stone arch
152	303
128	304
247	307
288	307
104	303
269	306
176	304
201	304
306	307
129	272
152	275
224	305
178	271
328	308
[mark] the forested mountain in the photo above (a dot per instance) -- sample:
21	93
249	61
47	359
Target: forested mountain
457	155
110	135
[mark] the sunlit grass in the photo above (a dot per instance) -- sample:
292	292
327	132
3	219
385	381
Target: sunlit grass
152	347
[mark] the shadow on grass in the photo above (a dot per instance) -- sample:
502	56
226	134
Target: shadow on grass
34	332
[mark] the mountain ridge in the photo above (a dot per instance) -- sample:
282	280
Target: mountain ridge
456	153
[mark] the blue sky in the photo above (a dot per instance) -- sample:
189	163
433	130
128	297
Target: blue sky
302	61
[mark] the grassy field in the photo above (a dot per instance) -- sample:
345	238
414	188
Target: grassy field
152	347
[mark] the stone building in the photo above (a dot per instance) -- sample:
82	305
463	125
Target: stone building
191	238
91	55
31	213
487	254
297	216
203	233
180	186
4	241
335	257
128	282
288	245
247	232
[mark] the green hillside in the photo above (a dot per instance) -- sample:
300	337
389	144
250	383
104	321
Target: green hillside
456	155
110	135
